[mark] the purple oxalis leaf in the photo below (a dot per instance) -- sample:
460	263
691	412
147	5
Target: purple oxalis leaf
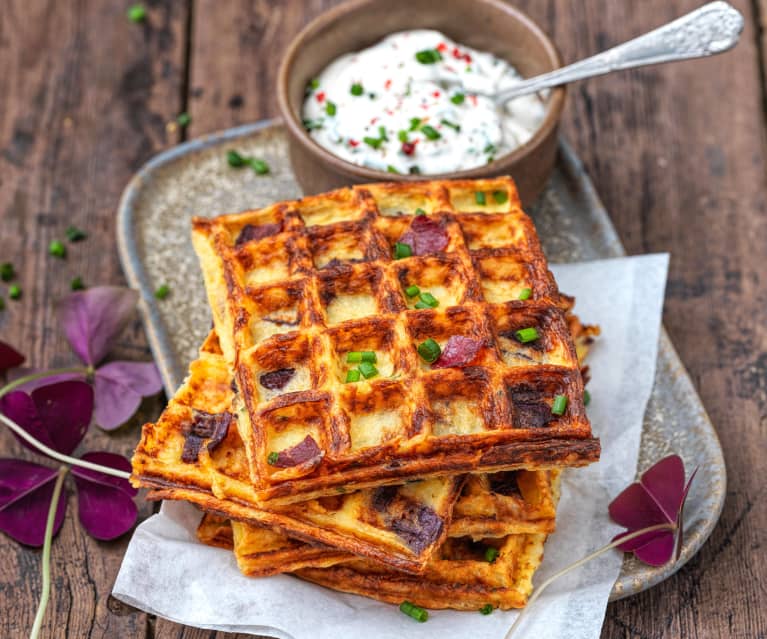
120	387
92	319
26	490
58	414
657	498
105	503
9	357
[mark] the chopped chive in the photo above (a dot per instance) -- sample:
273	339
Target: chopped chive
235	159
382	133
356	89
57	249
353	357
486	609
490	148
392	169
162	292
352	375
412	291
402	250
314	83
421	305
491	554
259	166
428	298
560	405
330	108
458	98
184	119
272	458
479	198
77	284
7	272
525	294
402	135
367	369
374	142
14	291
311	125
420	211
501	197
369	356
74	234
586	397
416	612
525	335
136	13
415	123
429	350
452	125
428	56
430	132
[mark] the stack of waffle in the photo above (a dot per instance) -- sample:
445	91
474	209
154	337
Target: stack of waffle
388	396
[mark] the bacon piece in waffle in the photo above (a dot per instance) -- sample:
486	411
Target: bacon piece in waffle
320	281
399	526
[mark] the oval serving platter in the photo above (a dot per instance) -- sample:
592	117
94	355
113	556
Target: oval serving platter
194	179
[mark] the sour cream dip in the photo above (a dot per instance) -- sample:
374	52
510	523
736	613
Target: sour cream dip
411	104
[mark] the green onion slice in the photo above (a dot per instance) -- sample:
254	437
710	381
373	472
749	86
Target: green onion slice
272	458
162	292
416	612
353	357
428	56
235	159
525	335
74	234
430	132
77	284
412	291
415	123
402	135
429	350
330	108
525	294
7	272
479	198
259	166
374	142
402	250
560	405
14	291
369	356
356	89
491	554
428	298
392	169
421	305
57	249
458	98
352	375
137	13
420	211
586	397
501	197
367	369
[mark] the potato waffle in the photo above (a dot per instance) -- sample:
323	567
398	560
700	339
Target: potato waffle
296	286
458	576
361	523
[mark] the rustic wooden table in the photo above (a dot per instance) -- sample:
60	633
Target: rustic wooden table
677	154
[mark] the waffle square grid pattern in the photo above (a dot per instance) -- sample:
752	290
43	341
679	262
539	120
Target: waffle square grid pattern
297	286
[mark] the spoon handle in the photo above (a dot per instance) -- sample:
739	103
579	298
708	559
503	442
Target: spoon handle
713	28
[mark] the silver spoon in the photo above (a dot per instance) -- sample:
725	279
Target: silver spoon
713	28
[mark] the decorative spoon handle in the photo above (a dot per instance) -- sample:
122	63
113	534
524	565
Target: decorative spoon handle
711	29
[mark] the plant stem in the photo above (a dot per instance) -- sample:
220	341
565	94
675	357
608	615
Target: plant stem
46	562
85	370
64	459
613	544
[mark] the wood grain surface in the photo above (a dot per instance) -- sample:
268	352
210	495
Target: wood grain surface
676	152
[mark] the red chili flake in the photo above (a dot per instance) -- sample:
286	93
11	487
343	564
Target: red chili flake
436	94
320	96
473	99
408	148
387	84
458	352
353	142
441	47
457	53
374	120
467	58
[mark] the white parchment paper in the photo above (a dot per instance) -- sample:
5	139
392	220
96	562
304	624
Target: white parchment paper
167	572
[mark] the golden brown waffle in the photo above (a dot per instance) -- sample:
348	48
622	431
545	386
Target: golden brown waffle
458	576
400	526
298	285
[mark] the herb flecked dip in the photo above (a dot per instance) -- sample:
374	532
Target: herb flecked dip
411	104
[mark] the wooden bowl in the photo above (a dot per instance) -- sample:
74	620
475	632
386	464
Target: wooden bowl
486	25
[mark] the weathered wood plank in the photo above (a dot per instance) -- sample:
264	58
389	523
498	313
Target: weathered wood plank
84	99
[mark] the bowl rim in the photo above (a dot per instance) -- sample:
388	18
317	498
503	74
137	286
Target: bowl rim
297	131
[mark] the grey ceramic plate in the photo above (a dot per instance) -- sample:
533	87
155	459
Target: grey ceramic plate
155	248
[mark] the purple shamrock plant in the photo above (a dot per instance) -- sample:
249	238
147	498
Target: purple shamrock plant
651	510
50	412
